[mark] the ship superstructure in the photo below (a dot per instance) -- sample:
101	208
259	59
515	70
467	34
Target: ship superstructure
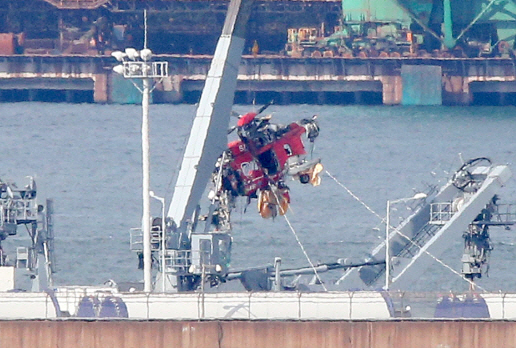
192	249
466	207
34	263
188	255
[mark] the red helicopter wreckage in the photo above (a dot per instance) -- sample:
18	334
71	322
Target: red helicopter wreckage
265	155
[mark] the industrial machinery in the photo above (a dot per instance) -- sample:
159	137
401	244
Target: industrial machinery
467	206
34	264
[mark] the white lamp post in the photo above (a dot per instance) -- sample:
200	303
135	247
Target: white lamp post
163	239
137	65
387	233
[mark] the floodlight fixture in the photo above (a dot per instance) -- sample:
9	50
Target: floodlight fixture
119	69
132	53
120	56
146	54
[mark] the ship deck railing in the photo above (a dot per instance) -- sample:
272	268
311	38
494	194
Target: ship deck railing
174	259
136	239
441	213
505	214
177	260
17	210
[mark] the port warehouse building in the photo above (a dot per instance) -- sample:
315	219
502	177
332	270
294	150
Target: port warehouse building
53	63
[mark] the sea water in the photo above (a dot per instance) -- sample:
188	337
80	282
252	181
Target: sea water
87	158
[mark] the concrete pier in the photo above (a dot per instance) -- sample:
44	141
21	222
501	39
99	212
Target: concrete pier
334	80
421	84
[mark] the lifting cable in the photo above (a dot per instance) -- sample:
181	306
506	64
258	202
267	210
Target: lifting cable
396	230
299	243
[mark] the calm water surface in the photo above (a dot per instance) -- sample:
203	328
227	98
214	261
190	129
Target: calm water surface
88	159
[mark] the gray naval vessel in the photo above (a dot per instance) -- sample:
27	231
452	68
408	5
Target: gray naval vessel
185	255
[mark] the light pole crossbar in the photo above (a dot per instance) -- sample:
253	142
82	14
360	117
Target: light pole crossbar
143	69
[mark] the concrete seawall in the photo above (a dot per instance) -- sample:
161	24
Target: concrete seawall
337	80
257	334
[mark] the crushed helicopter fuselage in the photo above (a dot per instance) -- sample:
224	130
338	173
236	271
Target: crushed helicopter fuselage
258	163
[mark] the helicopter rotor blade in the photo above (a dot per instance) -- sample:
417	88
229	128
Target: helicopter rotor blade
262	109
